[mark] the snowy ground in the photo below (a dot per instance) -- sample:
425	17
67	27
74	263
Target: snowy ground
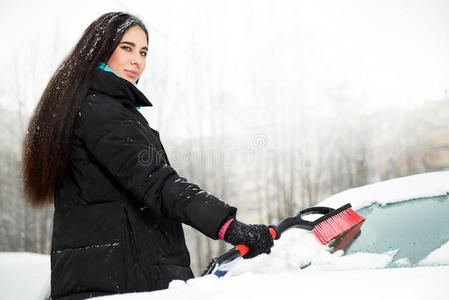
24	276
360	275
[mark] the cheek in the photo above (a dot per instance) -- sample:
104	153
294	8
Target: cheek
116	59
111	60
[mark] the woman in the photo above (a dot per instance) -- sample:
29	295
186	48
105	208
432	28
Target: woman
119	205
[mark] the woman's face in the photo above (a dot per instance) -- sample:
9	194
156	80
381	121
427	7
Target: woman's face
128	59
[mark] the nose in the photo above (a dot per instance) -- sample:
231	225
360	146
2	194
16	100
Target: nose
137	60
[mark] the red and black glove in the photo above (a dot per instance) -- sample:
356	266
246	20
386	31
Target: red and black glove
256	237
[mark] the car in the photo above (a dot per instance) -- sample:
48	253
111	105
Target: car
401	252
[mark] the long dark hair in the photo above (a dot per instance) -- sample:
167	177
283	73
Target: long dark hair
47	145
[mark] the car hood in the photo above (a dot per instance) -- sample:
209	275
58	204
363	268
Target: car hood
400	283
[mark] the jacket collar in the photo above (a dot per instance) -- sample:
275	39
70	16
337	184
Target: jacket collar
118	88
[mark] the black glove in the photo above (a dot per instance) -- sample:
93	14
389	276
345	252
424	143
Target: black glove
256	237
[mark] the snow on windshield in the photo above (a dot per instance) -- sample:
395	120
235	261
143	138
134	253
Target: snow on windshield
394	190
298	249
439	256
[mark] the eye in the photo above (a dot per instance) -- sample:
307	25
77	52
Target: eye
126	48
143	53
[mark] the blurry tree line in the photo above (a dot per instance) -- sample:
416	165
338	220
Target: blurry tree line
22	228
268	174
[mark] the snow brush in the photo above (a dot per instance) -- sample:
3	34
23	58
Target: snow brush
333	223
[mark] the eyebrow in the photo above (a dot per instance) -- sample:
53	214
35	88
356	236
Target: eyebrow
132	44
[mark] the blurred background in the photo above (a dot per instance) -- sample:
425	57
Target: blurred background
270	105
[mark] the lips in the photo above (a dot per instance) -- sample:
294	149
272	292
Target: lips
132	74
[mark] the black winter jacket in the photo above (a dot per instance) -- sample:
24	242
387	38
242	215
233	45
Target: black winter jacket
119	208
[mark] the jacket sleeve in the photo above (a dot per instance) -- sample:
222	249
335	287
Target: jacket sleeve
126	148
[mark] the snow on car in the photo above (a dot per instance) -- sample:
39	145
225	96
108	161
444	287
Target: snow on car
401	252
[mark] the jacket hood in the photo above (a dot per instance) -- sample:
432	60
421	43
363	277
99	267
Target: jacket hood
118	88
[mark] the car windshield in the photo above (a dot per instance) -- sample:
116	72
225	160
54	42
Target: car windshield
415	228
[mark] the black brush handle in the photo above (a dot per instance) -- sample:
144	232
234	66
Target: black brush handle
298	221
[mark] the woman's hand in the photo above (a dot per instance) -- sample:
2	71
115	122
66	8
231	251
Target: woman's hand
256	237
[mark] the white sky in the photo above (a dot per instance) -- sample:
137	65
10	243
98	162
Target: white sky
383	52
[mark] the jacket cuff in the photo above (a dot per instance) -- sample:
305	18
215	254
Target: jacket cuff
222	231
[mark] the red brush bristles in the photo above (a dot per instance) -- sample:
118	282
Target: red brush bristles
336	225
